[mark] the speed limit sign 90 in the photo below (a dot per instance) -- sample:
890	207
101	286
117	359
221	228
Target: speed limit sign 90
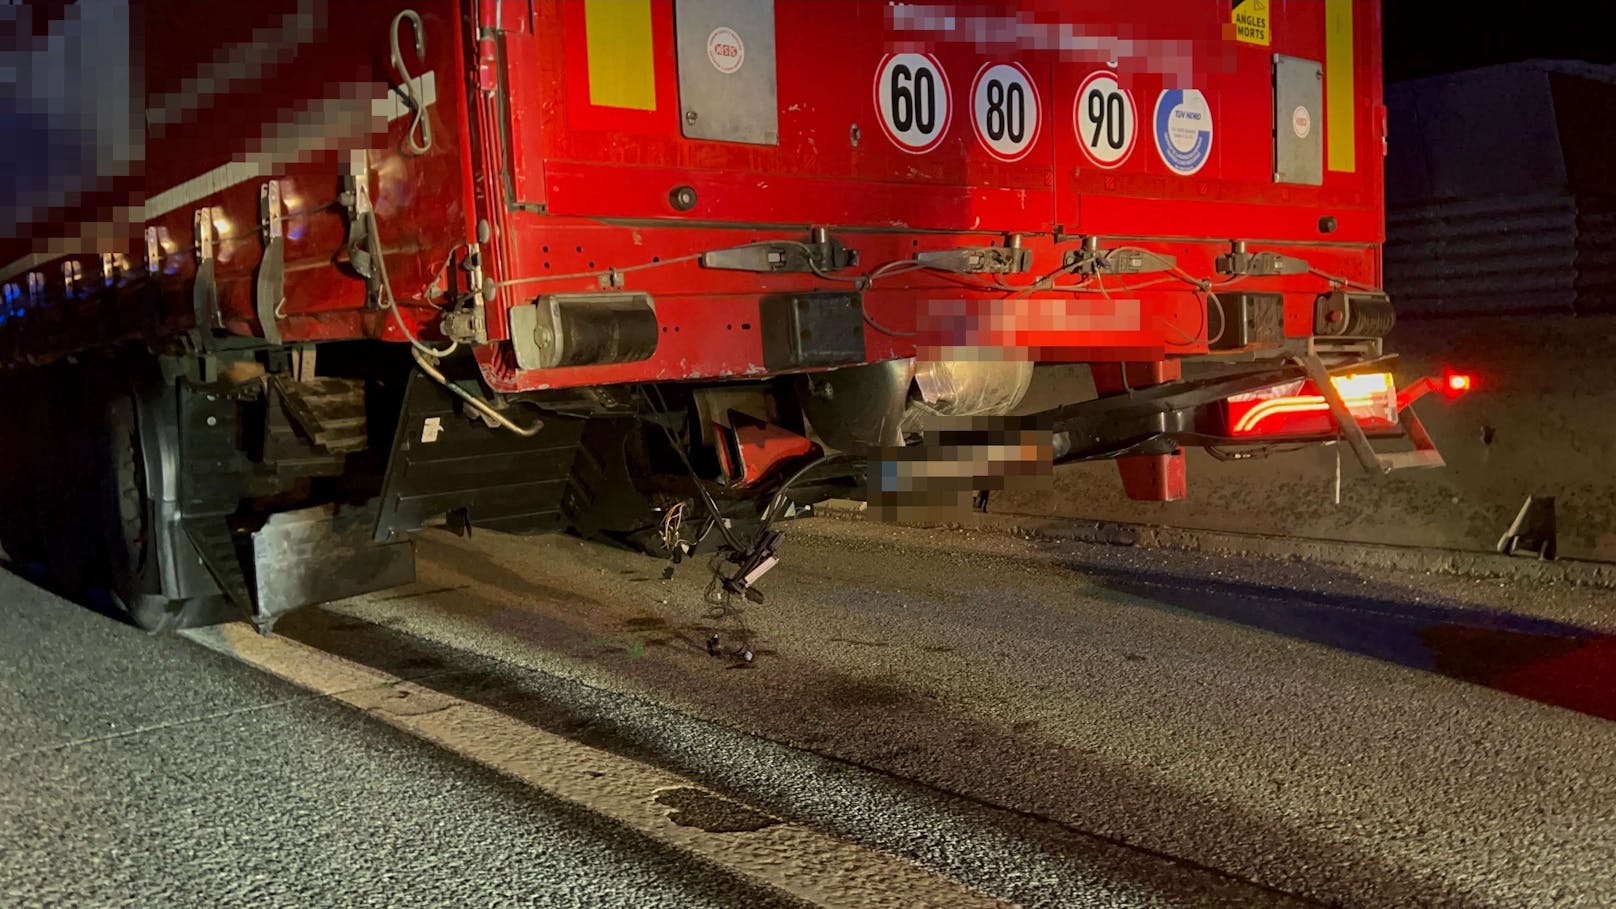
1107	120
1005	110
911	97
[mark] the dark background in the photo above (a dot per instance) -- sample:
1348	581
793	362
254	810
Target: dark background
1426	38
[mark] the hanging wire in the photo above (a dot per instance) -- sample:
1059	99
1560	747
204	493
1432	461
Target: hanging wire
701	490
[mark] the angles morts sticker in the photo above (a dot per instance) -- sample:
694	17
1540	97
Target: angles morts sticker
1183	127
1250	21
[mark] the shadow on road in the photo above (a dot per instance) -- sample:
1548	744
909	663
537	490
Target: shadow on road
1551	662
917	750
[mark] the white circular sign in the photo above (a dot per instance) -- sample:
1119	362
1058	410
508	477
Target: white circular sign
725	50
1005	110
1106	118
1301	122
1183	124
911	97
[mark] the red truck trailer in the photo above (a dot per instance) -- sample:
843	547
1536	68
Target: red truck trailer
284	281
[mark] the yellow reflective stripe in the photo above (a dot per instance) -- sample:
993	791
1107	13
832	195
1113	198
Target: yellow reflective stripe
1341	99
621	70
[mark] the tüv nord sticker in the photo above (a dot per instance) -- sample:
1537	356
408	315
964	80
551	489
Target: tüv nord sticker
1183	129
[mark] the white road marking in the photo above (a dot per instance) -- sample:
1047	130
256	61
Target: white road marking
787	856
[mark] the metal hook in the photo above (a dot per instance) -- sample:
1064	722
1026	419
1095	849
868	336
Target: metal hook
410	85
414	18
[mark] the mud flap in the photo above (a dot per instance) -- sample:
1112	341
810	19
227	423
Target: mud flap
320	554
292	559
444	460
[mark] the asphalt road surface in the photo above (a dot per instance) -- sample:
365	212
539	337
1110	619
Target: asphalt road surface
930	718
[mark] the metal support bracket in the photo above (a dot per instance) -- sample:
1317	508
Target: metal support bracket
72	277
204	292
468	322
1425	453
1533	529
154	252
1354	435
356	198
271	284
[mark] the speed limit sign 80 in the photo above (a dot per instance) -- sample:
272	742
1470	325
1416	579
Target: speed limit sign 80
1005	110
1107	120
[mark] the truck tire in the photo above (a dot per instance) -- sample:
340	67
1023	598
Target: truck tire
131	519
79	517
19	489
66	478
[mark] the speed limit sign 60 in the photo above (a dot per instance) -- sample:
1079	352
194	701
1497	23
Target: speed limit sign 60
1107	120
912	101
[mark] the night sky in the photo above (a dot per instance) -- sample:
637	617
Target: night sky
1424	38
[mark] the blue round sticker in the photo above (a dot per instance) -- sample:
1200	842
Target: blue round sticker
1183	129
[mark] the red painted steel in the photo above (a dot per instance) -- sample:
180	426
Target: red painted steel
571	188
752	450
1150	477
1154	478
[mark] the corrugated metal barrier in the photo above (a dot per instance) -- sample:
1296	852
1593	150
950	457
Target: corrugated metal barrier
1487	221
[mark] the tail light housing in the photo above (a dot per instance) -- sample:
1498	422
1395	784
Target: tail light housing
1297	409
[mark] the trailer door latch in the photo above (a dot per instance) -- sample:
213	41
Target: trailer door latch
978	260
822	253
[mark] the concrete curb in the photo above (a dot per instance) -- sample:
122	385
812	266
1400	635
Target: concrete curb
1218	542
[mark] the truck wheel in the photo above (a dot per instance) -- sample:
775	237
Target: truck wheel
131	522
83	523
66	477
19	487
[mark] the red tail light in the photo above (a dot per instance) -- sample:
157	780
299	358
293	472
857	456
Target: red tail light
1296	408
1449	385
